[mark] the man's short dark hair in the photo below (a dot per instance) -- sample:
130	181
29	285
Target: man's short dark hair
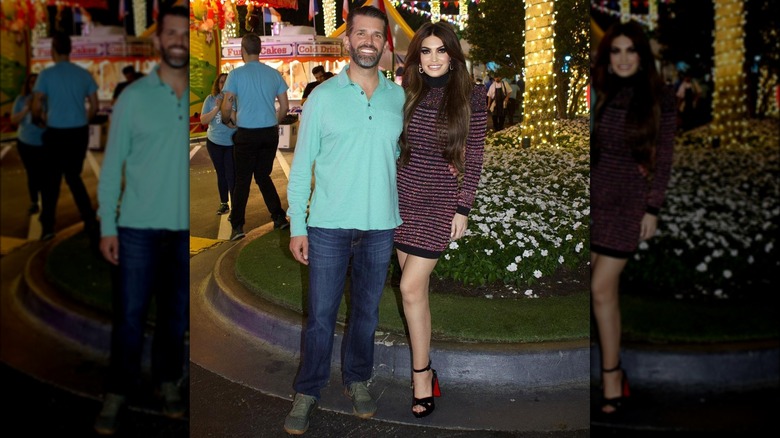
366	11
318	69
251	43
175	10
128	70
60	42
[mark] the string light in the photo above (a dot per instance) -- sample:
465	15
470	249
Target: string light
539	96
435	11
459	20
139	16
577	82
624	12
329	16
729	108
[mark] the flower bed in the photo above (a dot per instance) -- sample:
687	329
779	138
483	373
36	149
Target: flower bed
530	216
718	228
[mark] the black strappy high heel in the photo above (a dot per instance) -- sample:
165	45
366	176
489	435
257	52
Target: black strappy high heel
617	402
427	402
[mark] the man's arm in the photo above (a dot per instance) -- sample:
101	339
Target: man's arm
93	106
284	105
227	102
37	107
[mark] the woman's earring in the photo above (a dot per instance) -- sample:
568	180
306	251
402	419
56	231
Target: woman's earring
450	65
419	68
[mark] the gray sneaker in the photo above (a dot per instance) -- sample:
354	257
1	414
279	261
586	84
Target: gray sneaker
297	421
363	405
173	405
237	234
105	423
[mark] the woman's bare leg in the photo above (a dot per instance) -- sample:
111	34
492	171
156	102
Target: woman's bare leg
415	279
605	280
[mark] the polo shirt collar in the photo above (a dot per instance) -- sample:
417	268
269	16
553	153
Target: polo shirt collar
344	80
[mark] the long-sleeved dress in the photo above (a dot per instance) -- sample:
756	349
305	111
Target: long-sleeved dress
619	194
428	193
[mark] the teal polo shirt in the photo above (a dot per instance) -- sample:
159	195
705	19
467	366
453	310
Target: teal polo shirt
66	86
145	181
256	86
218	132
353	145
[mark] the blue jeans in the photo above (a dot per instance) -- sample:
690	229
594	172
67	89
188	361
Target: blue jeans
329	254
222	157
152	263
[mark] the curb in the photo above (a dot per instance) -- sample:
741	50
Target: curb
560	364
719	367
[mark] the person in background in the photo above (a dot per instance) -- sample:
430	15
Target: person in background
439	96
498	98
143	197
59	96
631	159
253	89
349	141
319	75
130	76
219	141
29	142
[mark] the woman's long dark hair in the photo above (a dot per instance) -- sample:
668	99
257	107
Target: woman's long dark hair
455	110
644	110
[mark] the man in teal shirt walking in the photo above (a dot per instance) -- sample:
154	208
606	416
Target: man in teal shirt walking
350	128
145	224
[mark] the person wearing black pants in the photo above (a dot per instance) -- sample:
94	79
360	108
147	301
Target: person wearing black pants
59	95
254	90
254	151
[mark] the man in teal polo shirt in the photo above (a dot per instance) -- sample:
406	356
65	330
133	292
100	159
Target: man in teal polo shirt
59	96
349	133
255	87
143	198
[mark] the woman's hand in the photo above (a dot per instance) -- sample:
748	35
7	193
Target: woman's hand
648	227
459	224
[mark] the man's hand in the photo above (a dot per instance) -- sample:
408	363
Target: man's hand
109	247
299	246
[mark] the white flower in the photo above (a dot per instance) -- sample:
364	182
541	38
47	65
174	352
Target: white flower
569	237
560	259
544	253
538	273
453	245
727	274
518	258
446	257
643	245
529	292
489	251
702	267
512	267
579	247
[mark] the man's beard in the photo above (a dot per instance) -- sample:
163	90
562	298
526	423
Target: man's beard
365	61
175	61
